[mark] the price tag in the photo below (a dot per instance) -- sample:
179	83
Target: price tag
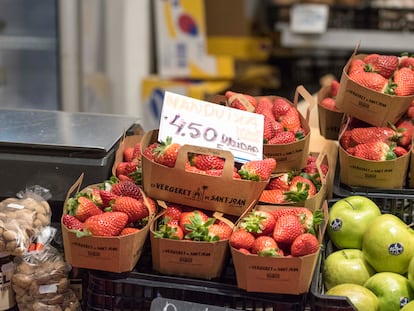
200	123
309	18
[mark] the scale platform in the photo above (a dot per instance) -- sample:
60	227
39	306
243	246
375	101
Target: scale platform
53	148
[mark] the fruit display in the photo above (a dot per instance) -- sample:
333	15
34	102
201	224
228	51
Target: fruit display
372	249
329	101
295	186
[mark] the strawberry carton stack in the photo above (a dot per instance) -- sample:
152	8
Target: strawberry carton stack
376	92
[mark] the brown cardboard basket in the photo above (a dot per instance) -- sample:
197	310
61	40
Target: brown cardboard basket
113	254
196	259
215	193
368	105
281	275
329	120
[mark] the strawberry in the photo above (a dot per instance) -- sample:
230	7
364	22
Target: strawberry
219	231
151	205
406	60
375	151
265	107
195	223
241	239
300	189
345	140
370	80
149	151
274	196
370	58
207	162
126	168
356	66
128	230
258	223
166	153
385	65
410	111
258	170
287	229
329	103
290	120
71	222
137	151
280	107
268	129
279	182
106	197
126	188
405	127
362	135
128	154
404	82
334	89
399	151
82	208
169	230
304	244
282	138
105	224
173	212
135	209
266	246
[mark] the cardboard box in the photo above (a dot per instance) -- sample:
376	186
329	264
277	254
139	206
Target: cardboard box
197	259
238	28
181	52
367	105
215	193
152	94
281	275
388	174
329	121
113	254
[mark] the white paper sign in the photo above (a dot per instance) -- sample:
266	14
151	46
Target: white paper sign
200	123
311	18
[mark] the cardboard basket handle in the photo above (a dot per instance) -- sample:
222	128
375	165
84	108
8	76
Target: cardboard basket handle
321	157
300	90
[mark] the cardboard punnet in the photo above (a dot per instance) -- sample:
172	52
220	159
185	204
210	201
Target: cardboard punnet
368	105
113	254
281	275
198	259
329	120
215	193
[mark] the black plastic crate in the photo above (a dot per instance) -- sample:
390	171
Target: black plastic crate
398	205
136	291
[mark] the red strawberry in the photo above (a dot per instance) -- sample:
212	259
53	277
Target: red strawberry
265	107
279	182
173	212
309	220
266	246
345	140
362	135
71	222
356	66
169	230
128	154
207	162
291	120
241	239
405	127
282	138
82	208
166	153
287	229
219	231
137	151
105	224
127	188
268	129
370	80
406	61
149	151
404	82
258	170
128	230
371	58
106	197
301	188
135	209
375	151
329	103
304	244
280	107
126	168
399	151
385	65
258	223
194	221
410	111
274	196
334	88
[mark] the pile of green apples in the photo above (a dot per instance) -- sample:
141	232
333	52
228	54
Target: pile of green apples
372	262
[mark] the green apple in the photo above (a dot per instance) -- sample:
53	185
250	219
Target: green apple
408	307
388	244
361	297
392	289
349	218
410	273
346	266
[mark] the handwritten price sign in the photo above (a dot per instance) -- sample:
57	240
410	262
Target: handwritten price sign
196	122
